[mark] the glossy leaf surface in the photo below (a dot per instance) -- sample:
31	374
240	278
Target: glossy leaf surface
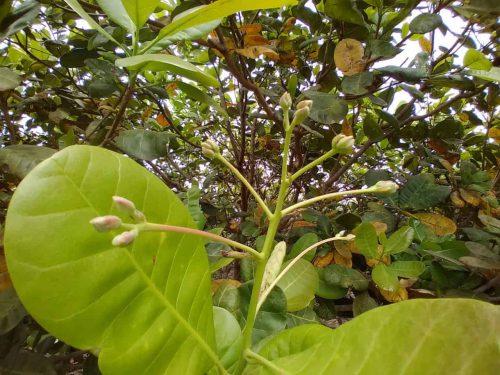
299	285
411	337
147	307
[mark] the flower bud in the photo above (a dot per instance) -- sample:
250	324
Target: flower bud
106	223
300	115
125	238
124	205
386	187
304	104
342	144
285	101
209	148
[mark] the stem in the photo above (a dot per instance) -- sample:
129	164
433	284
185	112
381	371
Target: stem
245	182
311	165
330	196
152	227
265	362
274	222
266	293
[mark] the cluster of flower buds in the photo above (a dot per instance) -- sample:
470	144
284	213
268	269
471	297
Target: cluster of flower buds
209	148
342	144
111	222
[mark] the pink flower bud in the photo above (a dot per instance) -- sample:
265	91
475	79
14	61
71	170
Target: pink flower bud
125	238
106	223
124	205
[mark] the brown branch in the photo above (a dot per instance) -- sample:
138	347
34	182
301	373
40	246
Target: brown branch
14	138
127	95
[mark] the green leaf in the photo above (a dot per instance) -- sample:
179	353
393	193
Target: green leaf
76	57
11	310
299	285
363	303
407	268
328	291
303	243
153	296
486	264
144	144
304	316
194	32
403	74
476	60
8	79
492	75
382	49
228	337
196	94
139	10
367	240
116	11
21	159
385	278
425	23
399	240
173	64
21	17
371	128
193	196
420	192
357	84
338	275
228	297
411	331
75	5
271	317
217	10
326	108
345	11
102	88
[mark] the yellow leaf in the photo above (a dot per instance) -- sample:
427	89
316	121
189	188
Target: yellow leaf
345	248
349	56
289	23
323	261
425	44
343	261
495	134
456	200
216	284
303	224
254	40
162	120
399	295
346	128
251	28
439	224
471	197
379	227
256	51
464	117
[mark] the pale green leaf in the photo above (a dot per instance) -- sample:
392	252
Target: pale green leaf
144	144
116	11
385	278
425	23
19	160
366	240
139	10
173	64
400	339
492	75
344	10
8	79
407	268
399	240
227	336
299	285
474	59
148	306
326	108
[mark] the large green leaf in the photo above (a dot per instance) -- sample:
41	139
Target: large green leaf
198	95
147	307
399	240
173	64
139	10
357	84
303	243
326	108
420	192
338	275
216	10
299	284
227	336
144	144
385	278
425	23
8	79
18	19
20	159
116	11
410	337
344	10
492	75
367	240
